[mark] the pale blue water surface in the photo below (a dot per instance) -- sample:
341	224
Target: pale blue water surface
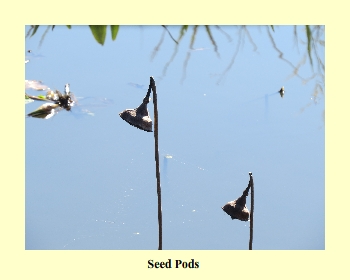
90	180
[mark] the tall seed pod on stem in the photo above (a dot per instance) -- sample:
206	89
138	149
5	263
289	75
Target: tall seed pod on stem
140	118
237	209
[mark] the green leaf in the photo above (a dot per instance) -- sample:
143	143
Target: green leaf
27	99
114	30
34	30
99	32
182	32
69	26
309	39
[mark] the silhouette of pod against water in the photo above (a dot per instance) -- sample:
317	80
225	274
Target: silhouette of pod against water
139	117
237	209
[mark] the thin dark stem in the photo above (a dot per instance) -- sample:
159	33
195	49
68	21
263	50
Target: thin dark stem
251	183
153	86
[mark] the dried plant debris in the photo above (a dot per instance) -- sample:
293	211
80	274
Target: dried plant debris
58	101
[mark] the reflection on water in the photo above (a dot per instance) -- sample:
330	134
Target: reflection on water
30	56
266	98
138	86
180	162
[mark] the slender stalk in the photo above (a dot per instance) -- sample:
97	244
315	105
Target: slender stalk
251	183
153	86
